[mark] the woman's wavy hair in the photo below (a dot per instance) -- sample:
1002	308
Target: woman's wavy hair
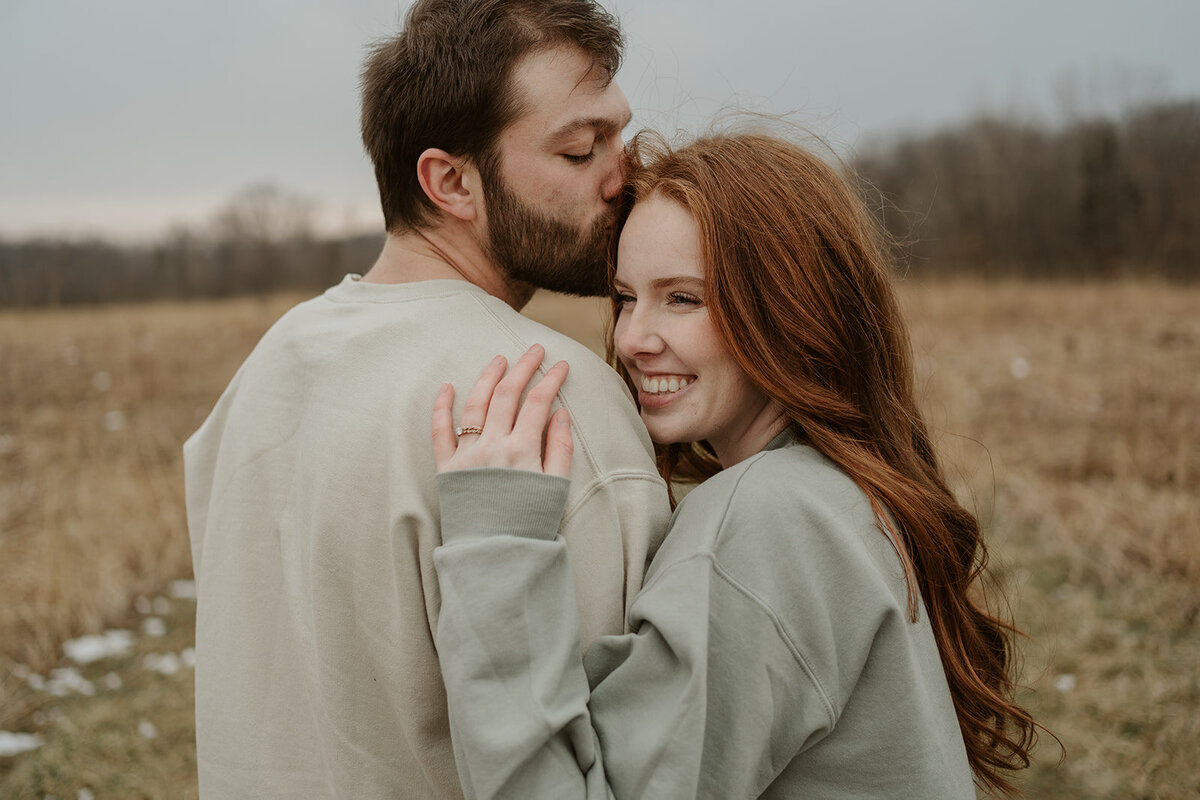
799	289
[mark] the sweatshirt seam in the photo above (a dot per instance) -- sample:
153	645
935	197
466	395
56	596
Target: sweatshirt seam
600	482
793	649
797	653
780	631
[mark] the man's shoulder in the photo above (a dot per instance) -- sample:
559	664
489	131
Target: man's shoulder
610	437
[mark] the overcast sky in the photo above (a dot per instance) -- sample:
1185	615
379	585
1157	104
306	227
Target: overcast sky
123	117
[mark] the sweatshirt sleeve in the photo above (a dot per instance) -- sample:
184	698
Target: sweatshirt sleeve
702	699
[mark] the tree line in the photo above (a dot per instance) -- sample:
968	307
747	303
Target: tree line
261	241
1099	196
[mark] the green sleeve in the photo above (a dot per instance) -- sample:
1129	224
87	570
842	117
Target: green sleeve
703	699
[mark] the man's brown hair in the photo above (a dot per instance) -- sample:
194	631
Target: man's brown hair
445	81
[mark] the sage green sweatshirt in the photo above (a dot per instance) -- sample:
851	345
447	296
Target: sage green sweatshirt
770	652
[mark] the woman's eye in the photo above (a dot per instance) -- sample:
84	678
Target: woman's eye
683	298
623	299
583	159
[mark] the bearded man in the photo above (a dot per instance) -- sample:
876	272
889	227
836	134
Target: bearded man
495	130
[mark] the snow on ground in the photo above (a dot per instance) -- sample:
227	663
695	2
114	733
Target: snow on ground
12	744
109	644
183	590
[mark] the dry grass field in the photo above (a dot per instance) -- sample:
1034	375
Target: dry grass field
1068	415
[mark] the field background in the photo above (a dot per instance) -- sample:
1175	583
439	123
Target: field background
1067	413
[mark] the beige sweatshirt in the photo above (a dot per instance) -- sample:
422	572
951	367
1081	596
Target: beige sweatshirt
313	515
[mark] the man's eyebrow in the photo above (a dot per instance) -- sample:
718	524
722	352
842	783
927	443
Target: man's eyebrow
603	125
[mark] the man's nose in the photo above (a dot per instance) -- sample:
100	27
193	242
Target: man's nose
610	188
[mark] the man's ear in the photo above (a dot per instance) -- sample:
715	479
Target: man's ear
451	182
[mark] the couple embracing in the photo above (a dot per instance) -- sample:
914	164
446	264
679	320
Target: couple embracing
520	608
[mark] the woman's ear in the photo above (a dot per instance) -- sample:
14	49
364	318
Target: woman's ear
451	182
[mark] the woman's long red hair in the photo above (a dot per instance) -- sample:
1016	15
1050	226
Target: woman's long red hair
800	291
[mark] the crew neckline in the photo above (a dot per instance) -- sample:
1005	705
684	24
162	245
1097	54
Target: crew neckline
353	289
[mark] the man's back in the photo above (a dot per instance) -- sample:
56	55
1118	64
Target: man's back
313	515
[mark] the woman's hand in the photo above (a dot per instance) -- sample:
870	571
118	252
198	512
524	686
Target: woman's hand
512	432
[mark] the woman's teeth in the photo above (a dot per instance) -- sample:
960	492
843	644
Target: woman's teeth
663	385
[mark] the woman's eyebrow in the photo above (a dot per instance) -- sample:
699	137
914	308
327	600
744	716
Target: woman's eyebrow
674	280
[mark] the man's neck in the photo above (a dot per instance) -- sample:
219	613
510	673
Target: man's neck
439	254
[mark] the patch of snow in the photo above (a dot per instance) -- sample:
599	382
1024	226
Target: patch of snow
109	644
188	657
114	421
65	680
164	664
12	744
154	626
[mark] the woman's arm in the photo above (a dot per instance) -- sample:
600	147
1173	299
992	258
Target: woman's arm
704	699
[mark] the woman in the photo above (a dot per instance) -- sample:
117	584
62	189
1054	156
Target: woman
810	626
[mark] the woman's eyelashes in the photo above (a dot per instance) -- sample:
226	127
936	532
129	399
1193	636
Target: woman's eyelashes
681	299
684	299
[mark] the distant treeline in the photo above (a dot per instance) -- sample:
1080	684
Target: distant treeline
1096	197
261	241
1117	195
47	272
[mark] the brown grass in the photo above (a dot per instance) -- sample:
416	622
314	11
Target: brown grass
1086	472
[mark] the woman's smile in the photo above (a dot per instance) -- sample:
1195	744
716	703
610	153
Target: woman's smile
661	390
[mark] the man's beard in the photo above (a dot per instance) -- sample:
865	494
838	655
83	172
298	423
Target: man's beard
542	251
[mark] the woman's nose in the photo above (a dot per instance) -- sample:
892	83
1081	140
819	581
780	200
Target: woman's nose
635	335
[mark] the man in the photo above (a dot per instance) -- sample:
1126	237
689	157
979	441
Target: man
494	127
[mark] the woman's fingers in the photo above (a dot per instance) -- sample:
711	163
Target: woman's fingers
531	422
559	445
502	410
475	410
515	433
444	440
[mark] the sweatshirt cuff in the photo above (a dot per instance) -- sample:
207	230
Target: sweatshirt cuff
494	501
